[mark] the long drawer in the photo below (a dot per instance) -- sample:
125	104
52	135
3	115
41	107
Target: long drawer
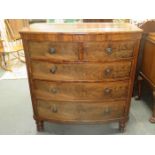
80	112
81	91
83	71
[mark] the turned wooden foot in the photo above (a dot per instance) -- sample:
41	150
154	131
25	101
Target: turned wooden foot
40	125
139	85
122	125
152	119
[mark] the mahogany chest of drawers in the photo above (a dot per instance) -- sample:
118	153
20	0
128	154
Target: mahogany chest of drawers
81	73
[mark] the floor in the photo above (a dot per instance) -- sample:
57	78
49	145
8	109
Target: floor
16	115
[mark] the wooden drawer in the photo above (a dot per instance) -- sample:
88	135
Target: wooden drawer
79	111
106	51
54	50
81	91
83	71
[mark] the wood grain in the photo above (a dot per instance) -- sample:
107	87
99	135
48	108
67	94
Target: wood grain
147	70
99	51
81	28
79	112
148	61
80	37
62	51
60	91
81	72
80	81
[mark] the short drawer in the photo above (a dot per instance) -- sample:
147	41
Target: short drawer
84	71
81	91
54	50
108	51
79	111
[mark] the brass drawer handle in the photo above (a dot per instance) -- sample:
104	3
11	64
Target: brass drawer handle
54	108
52	50
109	50
107	91
107	111
108	71
53	90
53	69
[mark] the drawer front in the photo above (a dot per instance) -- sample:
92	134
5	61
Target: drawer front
105	51
80	112
54	50
93	71
81	91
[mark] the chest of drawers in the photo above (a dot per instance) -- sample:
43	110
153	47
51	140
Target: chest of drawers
81	73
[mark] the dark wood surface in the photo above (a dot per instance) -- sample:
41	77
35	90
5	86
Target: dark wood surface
147	70
108	51
71	51
80	111
61	91
54	50
148	61
81	72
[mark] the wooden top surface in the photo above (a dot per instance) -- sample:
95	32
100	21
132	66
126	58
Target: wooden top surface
81	28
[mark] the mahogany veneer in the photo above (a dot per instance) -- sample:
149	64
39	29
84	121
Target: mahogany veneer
81	73
147	68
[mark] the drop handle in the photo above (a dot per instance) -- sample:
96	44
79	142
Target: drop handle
54	108
53	69
52	50
109	50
